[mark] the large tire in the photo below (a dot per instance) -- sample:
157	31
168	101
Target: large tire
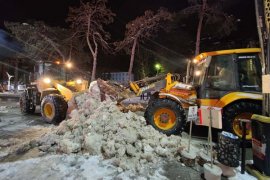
25	104
236	111
53	108
153	97
165	115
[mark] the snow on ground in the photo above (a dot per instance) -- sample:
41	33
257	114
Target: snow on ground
240	176
245	176
100	142
69	167
3	109
12	123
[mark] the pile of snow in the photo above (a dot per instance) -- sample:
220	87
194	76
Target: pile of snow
100	128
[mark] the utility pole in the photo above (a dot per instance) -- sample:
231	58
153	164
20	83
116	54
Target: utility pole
263	25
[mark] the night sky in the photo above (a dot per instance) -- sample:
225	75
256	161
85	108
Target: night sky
54	13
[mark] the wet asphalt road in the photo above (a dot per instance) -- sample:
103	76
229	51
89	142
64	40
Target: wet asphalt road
13	121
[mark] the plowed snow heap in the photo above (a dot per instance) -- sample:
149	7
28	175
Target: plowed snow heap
100	128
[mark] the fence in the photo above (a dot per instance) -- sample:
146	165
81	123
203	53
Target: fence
120	77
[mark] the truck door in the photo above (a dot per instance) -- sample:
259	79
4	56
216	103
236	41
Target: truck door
220	77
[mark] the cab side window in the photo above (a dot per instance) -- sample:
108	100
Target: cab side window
249	70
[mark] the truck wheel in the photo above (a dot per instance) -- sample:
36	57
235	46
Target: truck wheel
153	97
236	111
53	108
25	104
166	116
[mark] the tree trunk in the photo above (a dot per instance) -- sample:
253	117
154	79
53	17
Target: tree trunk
199	29
132	58
93	77
93	51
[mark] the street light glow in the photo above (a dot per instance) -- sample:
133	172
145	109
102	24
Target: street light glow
69	65
158	66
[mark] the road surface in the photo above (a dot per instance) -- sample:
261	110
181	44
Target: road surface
17	129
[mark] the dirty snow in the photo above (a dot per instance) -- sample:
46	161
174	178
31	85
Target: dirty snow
100	128
100	142
67	167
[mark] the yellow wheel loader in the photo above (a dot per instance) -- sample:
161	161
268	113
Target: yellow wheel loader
228	80
51	93
52	97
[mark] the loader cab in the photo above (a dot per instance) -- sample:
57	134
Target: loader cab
221	72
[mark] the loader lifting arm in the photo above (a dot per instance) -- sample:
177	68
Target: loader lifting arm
155	83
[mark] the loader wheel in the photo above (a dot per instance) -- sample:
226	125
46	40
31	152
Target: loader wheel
53	108
236	111
25	105
166	116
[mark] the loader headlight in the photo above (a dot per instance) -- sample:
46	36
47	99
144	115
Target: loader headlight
195	61
198	73
47	80
79	81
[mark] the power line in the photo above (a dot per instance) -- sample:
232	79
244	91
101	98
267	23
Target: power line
32	58
153	41
164	47
161	56
8	65
17	52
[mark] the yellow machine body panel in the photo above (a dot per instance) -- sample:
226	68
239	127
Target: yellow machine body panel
135	88
204	55
169	82
207	102
234	96
79	85
229	98
64	91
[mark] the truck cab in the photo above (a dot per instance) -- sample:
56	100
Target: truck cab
217	74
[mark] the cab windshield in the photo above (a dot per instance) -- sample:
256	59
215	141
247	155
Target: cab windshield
49	69
198	73
53	70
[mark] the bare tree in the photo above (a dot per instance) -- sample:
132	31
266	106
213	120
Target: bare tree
142	27
41	42
210	13
87	21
